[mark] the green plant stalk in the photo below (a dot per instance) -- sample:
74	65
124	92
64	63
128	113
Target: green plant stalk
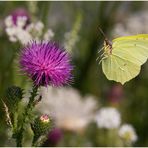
27	113
15	117
38	141
73	38
34	141
44	12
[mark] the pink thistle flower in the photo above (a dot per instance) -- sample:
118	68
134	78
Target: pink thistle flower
54	137
46	63
20	12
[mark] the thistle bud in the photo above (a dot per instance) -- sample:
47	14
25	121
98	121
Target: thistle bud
41	125
13	95
54	137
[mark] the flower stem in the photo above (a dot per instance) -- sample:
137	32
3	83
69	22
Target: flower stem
26	116
38	141
35	138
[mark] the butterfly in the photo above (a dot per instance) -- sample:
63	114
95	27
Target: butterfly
122	58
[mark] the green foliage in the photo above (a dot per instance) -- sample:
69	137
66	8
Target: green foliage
13	96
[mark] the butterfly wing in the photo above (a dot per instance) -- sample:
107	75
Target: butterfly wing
128	54
134	37
118	69
133	48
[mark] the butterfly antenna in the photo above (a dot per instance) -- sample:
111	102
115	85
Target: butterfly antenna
106	39
102	33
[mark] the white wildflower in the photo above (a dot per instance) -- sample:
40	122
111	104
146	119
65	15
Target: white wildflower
72	37
21	21
128	133
8	21
108	117
136	23
13	39
67	107
24	34
17	32
48	35
30	27
39	26
70	40
11	31
36	30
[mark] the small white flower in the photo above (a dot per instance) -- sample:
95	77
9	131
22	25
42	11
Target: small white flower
13	39
108	117
9	21
67	107
21	21
39	27
30	27
11	31
23	36
36	30
17	32
48	35
72	37
128	133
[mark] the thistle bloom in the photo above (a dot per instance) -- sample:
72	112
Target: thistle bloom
46	63
54	137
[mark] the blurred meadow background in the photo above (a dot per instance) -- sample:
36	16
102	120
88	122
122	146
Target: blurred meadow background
93	111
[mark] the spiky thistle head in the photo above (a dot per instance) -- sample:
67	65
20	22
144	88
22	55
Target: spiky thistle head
41	125
46	63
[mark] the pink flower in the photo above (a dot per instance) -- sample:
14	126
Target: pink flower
46	63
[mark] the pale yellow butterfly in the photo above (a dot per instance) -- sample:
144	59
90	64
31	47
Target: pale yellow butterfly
123	57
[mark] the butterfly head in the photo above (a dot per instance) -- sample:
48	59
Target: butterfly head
107	47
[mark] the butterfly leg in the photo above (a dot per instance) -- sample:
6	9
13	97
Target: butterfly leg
103	59
99	52
101	49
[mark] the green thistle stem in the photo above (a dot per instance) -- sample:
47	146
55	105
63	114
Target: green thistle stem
15	121
35	139
27	113
38	141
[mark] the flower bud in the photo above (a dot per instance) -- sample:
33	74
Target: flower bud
41	125
13	95
54	137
